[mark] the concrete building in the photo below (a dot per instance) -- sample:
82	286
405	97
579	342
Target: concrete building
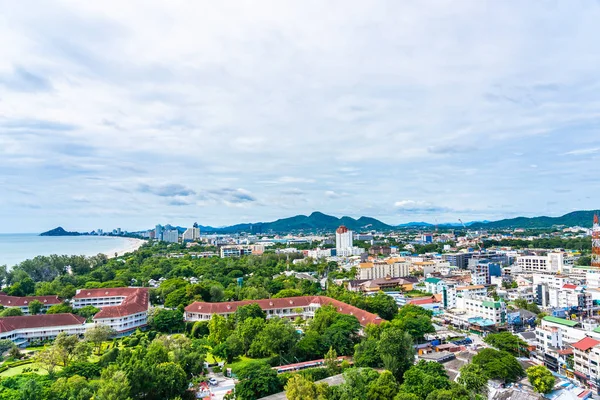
191	234
158	231
392	267
23	302
434	285
460	260
343	241
26	329
123	309
486	268
170	236
483	307
586	360
292	307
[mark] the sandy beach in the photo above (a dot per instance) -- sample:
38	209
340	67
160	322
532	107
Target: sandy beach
131	246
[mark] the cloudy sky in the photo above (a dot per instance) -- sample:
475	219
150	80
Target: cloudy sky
125	113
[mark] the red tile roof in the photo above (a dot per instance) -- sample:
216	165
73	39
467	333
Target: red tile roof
8	324
14	301
569	286
136	301
586	344
363	316
422	301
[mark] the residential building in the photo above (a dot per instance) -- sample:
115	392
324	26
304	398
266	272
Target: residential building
460	260
191	234
23	302
550	263
241	250
290	307
486	268
343	241
170	236
490	312
434	285
26	329
586	357
158	231
392	267
479	279
380	250
123	309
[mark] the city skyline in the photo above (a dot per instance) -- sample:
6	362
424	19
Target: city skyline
232	112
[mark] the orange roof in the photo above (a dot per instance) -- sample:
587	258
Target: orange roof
366	265
229	307
395	260
438	297
585	344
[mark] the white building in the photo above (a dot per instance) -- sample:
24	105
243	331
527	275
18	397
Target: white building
25	329
23	302
241	250
550	263
123	309
483	307
191	234
171	236
344	243
434	285
392	267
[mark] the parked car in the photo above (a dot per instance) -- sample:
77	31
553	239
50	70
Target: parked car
213	381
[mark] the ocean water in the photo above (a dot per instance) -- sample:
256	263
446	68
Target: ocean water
15	248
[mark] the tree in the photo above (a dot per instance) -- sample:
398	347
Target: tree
342	335
248	329
541	379
253	310
98	334
177	297
357	383
164	320
396	351
31	390
383	305
66	344
474	379
49	358
114	386
256	380
169	381
331	360
88	312
219	329
499	365
35	307
366	354
230	349
73	388
506	341
424	378
278	337
5	345
63	308
288	293
384	388
300	388
11	312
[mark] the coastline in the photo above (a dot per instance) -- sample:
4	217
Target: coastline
132	245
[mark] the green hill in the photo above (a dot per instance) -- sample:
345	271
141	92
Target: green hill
575	218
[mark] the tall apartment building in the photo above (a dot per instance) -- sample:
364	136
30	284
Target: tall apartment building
486	268
158	231
191	234
393	268
551	263
586	360
170	236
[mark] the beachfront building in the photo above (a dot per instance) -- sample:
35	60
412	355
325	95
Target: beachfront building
290	307
23	302
26	329
123	309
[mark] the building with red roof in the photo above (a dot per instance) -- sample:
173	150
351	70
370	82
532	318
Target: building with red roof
586	356
25	329
23	302
123	309
289	307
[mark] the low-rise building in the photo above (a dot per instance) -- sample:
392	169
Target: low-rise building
26	329
291	307
23	302
392	267
123	309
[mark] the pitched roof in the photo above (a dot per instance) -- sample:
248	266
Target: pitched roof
14	301
229	307
8	324
136	301
418	302
585	344
105	292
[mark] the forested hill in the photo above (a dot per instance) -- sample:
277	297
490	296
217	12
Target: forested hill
315	222
59	232
576	218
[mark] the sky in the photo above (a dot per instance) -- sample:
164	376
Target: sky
128	114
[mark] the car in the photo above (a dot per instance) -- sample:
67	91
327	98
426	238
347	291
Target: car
213	381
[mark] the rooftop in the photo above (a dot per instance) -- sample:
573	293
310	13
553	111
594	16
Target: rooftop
8	324
585	344
560	321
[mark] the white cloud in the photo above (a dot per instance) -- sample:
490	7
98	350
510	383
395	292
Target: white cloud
382	101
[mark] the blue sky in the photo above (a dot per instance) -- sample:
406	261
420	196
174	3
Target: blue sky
142	112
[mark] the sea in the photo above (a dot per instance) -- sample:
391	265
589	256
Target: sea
15	248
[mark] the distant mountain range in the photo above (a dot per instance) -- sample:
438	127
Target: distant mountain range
319	222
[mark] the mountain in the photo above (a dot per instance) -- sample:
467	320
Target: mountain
317	221
575	218
59	232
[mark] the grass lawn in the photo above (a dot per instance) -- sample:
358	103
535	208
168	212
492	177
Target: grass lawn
243	361
19	370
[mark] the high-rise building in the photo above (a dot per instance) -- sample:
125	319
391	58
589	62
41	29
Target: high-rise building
191	234
171	236
158	232
343	241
